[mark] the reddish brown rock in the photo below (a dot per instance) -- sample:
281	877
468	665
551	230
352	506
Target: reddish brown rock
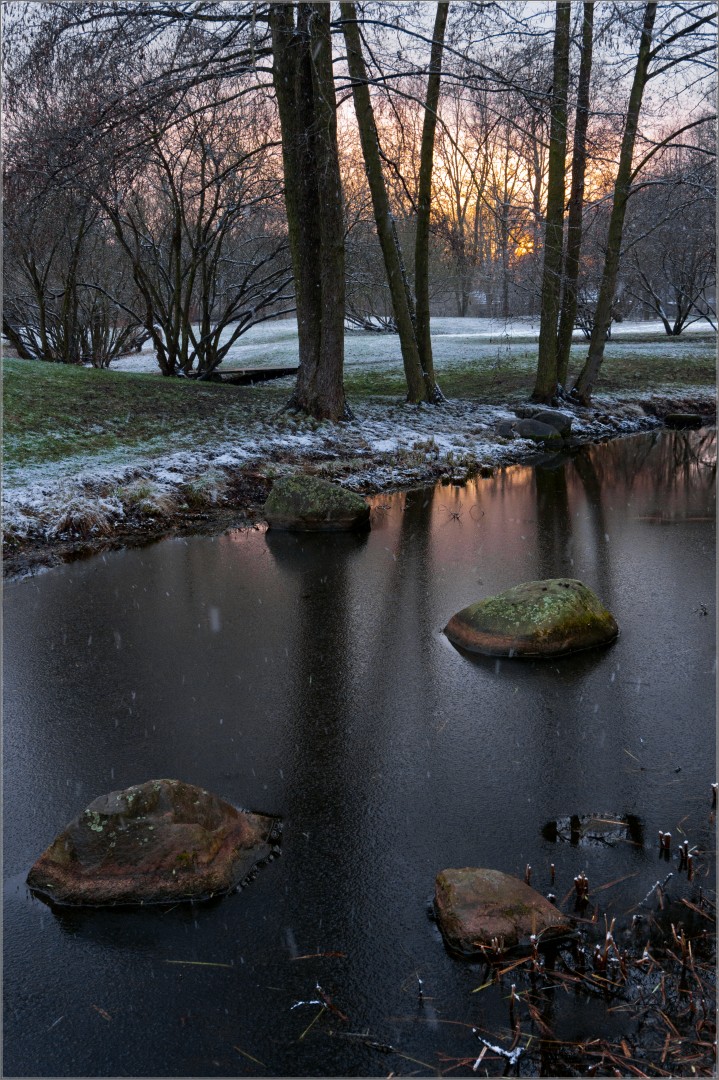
157	842
478	909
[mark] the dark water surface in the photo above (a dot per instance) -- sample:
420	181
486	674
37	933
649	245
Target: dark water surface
308	677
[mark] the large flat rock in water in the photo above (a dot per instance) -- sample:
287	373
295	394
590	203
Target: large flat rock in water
157	842
307	504
535	619
479	909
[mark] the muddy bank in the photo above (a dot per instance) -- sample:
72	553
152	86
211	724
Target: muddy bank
97	511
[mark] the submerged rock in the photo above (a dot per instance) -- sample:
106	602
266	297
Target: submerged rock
154	843
479	909
307	504
595	829
537	618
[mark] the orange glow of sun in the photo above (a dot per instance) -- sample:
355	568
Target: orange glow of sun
525	246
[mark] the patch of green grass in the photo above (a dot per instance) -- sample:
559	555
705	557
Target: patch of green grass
490	381
54	411
630	365
627	367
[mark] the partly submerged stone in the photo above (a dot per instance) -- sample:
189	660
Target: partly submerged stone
684	420
307	504
507	429
538	432
555	419
479	909
154	843
537	618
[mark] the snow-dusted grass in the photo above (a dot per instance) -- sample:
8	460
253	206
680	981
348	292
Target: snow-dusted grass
88	450
488	340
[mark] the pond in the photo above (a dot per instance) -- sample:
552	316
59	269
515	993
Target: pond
308	677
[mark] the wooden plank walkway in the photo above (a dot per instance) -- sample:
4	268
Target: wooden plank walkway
250	375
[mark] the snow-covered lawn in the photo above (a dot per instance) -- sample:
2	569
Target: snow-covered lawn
275	343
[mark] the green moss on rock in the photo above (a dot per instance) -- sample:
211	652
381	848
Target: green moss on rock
305	503
536	618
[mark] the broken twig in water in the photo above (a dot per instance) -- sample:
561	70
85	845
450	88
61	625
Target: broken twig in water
366	1039
478	1062
324	1000
199	963
655	886
249	1057
312	1022
321	956
512	1056
611	884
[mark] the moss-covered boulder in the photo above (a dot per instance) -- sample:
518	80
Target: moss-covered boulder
535	619
478	909
157	842
307	504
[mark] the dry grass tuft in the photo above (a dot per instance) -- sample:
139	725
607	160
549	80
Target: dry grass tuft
145	499
80	518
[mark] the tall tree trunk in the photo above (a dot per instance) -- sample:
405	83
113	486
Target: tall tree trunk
584	385
576	200
504	235
545	386
419	385
302	76
424	200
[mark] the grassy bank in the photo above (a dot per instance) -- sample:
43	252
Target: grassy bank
52	412
110	457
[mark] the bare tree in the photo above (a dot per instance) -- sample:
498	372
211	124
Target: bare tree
54	242
570	277
424	204
418	368
670	241
192	212
682	42
546	382
302	75
150	55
